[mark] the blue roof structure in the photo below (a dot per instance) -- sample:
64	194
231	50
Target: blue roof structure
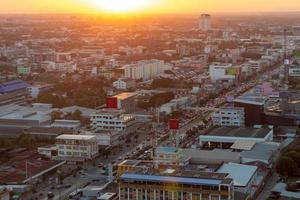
170	179
12	86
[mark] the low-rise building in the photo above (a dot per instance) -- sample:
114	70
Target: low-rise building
66	124
218	71
23	70
111	120
124	84
173	184
225	137
126	101
244	176
13	92
229	116
36	90
76	147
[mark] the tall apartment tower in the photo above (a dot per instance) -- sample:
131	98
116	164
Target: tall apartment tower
205	22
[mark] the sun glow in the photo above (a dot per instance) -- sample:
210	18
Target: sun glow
121	6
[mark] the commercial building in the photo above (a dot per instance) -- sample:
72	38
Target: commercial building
23	70
66	124
254	108
264	152
13	92
126	101
229	116
111	120
24	116
170	156
37	89
124	84
244	176
76	147
205	22
294	74
173	184
225	137
145	70
220	71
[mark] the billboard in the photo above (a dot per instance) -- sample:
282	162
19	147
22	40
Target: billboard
112	102
174	124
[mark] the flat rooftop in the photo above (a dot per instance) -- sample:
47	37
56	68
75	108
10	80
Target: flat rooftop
13	171
239	132
76	137
125	95
250	98
177	177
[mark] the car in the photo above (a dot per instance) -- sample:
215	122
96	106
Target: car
50	195
100	165
68	185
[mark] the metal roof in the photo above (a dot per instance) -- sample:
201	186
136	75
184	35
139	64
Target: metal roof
241	174
243	144
76	137
170	179
13	86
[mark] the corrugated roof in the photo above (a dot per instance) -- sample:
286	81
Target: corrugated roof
170	179
243	145
76	137
241	174
13	85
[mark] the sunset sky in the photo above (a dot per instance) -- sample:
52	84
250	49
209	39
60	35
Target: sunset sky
146	6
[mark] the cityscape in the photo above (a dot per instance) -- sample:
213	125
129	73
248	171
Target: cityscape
149	100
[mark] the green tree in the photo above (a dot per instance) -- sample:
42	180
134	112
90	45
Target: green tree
286	166
295	156
76	115
56	115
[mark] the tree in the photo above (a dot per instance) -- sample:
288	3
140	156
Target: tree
286	166
295	156
26	140
56	115
76	115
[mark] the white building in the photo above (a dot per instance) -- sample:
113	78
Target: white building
35	90
145	70
111	120
219	71
76	147
67	124
225	137
244	177
205	22
229	116
124	84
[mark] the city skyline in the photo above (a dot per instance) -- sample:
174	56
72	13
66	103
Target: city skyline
146	6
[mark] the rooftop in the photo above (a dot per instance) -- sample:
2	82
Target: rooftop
262	151
13	171
239	132
241	174
167	149
13	86
125	95
76	137
172	179
250	98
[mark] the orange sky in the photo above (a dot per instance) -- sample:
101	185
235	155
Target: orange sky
157	6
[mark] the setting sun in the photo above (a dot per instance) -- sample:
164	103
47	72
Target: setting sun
121	5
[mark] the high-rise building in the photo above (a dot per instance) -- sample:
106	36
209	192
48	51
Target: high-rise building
145	70
205	22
